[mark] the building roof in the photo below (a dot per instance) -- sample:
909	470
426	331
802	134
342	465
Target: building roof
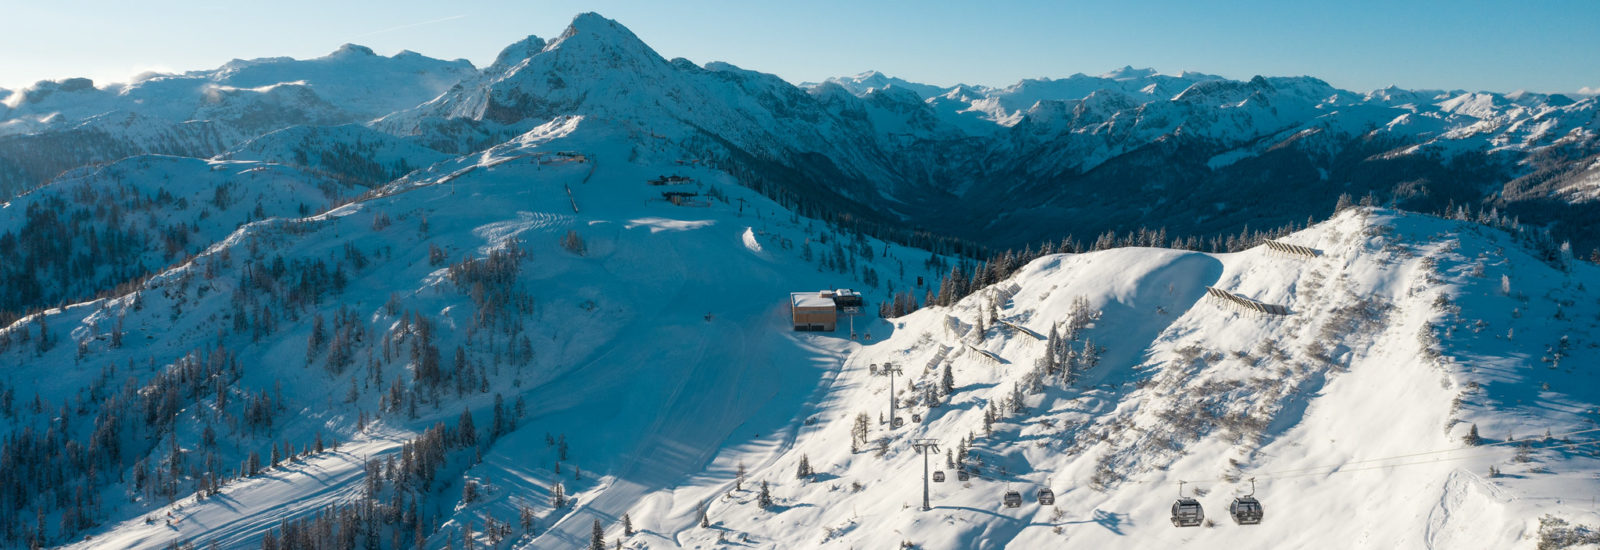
809	299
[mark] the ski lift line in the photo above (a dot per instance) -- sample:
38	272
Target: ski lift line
1396	465
1340	469
1334	469
1426	453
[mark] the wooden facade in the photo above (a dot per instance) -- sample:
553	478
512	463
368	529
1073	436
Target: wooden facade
813	311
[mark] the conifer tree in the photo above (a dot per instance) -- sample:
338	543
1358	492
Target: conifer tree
498	427
465	429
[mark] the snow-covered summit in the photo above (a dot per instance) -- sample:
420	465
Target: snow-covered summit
352	78
515	53
872	80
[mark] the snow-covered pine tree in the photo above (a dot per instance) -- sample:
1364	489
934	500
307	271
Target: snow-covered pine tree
498	426
1052	358
1090	356
465	429
314	342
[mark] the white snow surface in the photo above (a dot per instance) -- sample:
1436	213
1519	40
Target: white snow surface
1358	444
662	350
664	356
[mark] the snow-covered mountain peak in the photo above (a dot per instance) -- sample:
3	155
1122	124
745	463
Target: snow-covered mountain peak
871	77
349	49
1302	89
1127	72
893	94
1476	104
591	34
865	82
515	53
831	93
595	64
44	89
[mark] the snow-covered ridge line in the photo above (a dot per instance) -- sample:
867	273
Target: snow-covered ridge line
1368	387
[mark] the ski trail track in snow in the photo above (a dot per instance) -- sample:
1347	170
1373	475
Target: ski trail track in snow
765	374
244	510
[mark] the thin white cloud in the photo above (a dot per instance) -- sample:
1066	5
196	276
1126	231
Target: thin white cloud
412	25
1586	90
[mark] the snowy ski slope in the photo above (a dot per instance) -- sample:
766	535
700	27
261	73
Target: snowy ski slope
666	363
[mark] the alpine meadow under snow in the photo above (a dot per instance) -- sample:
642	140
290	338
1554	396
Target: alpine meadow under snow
397	302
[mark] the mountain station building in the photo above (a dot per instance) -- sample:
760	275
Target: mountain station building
814	311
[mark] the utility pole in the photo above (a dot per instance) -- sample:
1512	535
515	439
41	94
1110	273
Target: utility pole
925	446
891	369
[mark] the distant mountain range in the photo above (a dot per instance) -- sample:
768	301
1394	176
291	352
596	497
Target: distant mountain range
1193	153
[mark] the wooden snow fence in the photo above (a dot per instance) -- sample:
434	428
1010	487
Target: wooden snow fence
938	357
1291	249
986	353
1003	295
1244	304
1022	329
956	326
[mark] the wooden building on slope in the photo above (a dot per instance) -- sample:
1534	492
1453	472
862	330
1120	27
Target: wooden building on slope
814	311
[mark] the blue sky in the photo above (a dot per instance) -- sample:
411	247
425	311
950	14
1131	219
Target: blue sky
1544	45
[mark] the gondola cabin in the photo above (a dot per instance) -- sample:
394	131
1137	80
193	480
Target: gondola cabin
1013	499
1245	510
962	475
1186	512
1047	497
938	477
